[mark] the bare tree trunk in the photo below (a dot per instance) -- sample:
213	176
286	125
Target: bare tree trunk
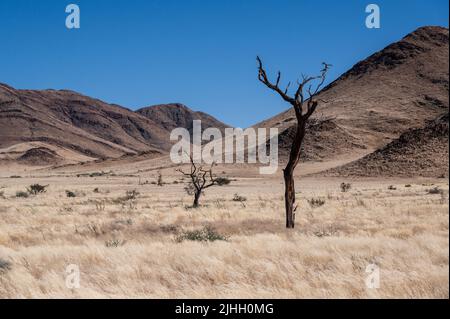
304	103
289	198
196	199
294	157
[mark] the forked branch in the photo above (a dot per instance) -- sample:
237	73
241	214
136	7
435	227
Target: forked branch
306	90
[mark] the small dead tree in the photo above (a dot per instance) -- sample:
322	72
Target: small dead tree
201	179
304	102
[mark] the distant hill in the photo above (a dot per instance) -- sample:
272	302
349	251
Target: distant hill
88	126
394	91
171	116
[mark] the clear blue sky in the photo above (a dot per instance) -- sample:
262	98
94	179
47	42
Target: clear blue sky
197	52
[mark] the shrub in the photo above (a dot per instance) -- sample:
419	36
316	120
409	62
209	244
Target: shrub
96	190
316	202
36	189
114	243
238	198
130	195
392	188
128	199
435	190
70	194
2	194
100	206
345	187
408	185
221	181
205	234
22	194
15	176
4	266
360	202
97	174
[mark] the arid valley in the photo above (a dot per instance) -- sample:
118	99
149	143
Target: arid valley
91	184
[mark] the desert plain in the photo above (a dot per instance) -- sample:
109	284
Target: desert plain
129	236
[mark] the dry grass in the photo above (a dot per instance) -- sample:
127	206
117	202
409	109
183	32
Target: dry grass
127	247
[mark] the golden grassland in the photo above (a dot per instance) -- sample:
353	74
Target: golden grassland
127	246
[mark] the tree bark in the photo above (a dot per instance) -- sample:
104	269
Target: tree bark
196	199
294	157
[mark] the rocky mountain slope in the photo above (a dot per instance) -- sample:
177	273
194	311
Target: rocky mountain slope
88	126
418	152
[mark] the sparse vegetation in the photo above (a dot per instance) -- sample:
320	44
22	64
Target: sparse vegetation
205	234
100	206
37	189
238	198
360	202
131	195
4	266
345	187
223	181
435	191
97	174
165	239
316	202
70	194
21	194
113	243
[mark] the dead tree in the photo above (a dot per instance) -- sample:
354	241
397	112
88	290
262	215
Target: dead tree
304	102
201	179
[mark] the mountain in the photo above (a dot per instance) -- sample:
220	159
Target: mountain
396	89
171	116
418	152
71	123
